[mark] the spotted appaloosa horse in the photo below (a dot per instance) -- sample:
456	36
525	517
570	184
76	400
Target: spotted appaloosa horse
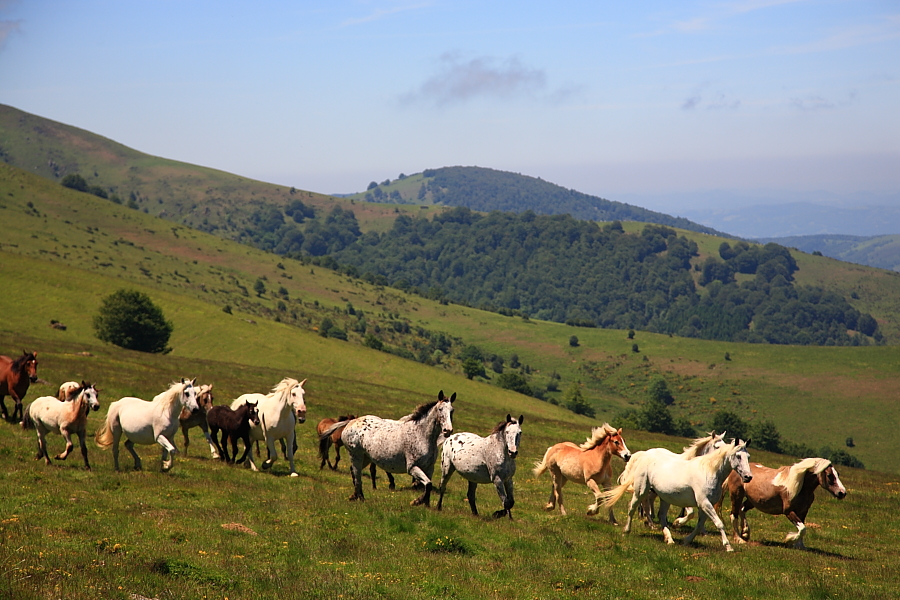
15	377
490	459
588	464
405	446
787	491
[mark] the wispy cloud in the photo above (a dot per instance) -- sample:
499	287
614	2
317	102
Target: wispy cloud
380	13
714	101
815	102
6	29
458	81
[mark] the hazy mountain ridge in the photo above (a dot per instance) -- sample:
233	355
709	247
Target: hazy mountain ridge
881	251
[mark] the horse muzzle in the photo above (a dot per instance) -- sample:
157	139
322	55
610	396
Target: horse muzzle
33	378
514	453
840	495
95	408
301	416
627	457
447	432
747	478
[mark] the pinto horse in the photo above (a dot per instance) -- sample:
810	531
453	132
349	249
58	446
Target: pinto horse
234	425
484	460
15	377
48	413
331	440
405	446
679	482
588	464
787	491
189	419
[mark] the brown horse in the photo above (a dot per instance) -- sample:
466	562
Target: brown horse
325	442
15	377
787	491
189	419
589	464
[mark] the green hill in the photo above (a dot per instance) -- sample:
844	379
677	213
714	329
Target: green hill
881	251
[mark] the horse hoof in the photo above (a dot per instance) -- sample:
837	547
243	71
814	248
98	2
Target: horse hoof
499	514
295	475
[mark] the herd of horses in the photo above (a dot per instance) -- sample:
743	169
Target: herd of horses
699	477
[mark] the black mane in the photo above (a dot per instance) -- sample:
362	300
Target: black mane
422	410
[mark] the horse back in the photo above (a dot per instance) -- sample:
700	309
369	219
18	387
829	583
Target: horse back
762	493
381	441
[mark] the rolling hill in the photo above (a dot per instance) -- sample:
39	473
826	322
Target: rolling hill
881	251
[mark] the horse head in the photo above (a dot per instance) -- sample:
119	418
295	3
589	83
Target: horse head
30	365
189	395
297	401
513	434
253	412
740	459
67	389
205	398
89	395
829	480
444	409
617	443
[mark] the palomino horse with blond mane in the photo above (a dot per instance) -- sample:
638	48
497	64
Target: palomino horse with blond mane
588	464
679	482
699	447
787	491
64	415
279	412
143	422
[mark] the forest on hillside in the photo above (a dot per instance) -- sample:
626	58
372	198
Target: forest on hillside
562	269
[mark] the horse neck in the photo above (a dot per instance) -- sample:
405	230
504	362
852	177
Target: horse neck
429	424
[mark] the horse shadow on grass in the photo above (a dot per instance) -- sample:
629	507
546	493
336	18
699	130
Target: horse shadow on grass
816	551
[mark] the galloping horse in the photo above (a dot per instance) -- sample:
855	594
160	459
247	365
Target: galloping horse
588	464
698	447
334	439
234	425
48	414
15	377
787	491
679	482
279	412
484	460
143	422
405	446
189	419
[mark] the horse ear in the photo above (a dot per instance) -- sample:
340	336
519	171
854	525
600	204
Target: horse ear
521	418
302	382
440	395
453	398
619	431
508	418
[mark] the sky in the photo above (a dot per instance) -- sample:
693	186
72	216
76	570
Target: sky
671	105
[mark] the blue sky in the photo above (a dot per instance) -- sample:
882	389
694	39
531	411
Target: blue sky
626	100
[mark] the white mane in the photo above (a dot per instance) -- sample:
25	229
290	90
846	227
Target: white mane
791	479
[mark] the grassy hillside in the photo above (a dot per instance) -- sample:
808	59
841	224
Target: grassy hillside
882	251
59	260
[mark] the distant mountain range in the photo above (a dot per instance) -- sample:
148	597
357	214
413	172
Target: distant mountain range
882	251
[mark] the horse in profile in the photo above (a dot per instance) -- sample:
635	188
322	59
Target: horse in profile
588	464
679	482
15	377
234	425
484	460
334	439
279	412
405	446
788	491
699	447
50	414
188	419
143	422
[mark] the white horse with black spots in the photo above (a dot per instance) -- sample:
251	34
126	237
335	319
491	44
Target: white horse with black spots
490	459
409	445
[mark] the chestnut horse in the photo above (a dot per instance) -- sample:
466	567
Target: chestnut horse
189	419
15	377
589	464
325	442
787	491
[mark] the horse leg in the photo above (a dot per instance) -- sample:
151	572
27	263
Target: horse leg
686	514
594	508
83	446
796	537
168	453
129	445
664	521
69	445
247	445
391	485
504	490
470	496
707	509
17	410
292	440
337	455
356	467
42	446
217	449
419	475
212	449
447	471
3	412
556	495
187	441
272	454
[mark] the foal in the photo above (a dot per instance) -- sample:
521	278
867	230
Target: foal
48	414
325	442
234	424
787	491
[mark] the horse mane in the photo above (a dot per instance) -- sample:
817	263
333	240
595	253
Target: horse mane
21	360
791	479
499	427
168	397
598	434
421	411
714	458
283	386
345	418
697	446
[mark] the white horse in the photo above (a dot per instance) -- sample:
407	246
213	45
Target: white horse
143	422
679	482
279	412
65	415
699	447
409	445
479	459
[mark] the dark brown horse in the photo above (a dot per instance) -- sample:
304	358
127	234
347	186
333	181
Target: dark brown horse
325	442
787	491
15	377
234	425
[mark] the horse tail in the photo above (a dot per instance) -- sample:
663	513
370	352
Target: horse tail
104	436
626	479
27	423
541	465
330	430
324	445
